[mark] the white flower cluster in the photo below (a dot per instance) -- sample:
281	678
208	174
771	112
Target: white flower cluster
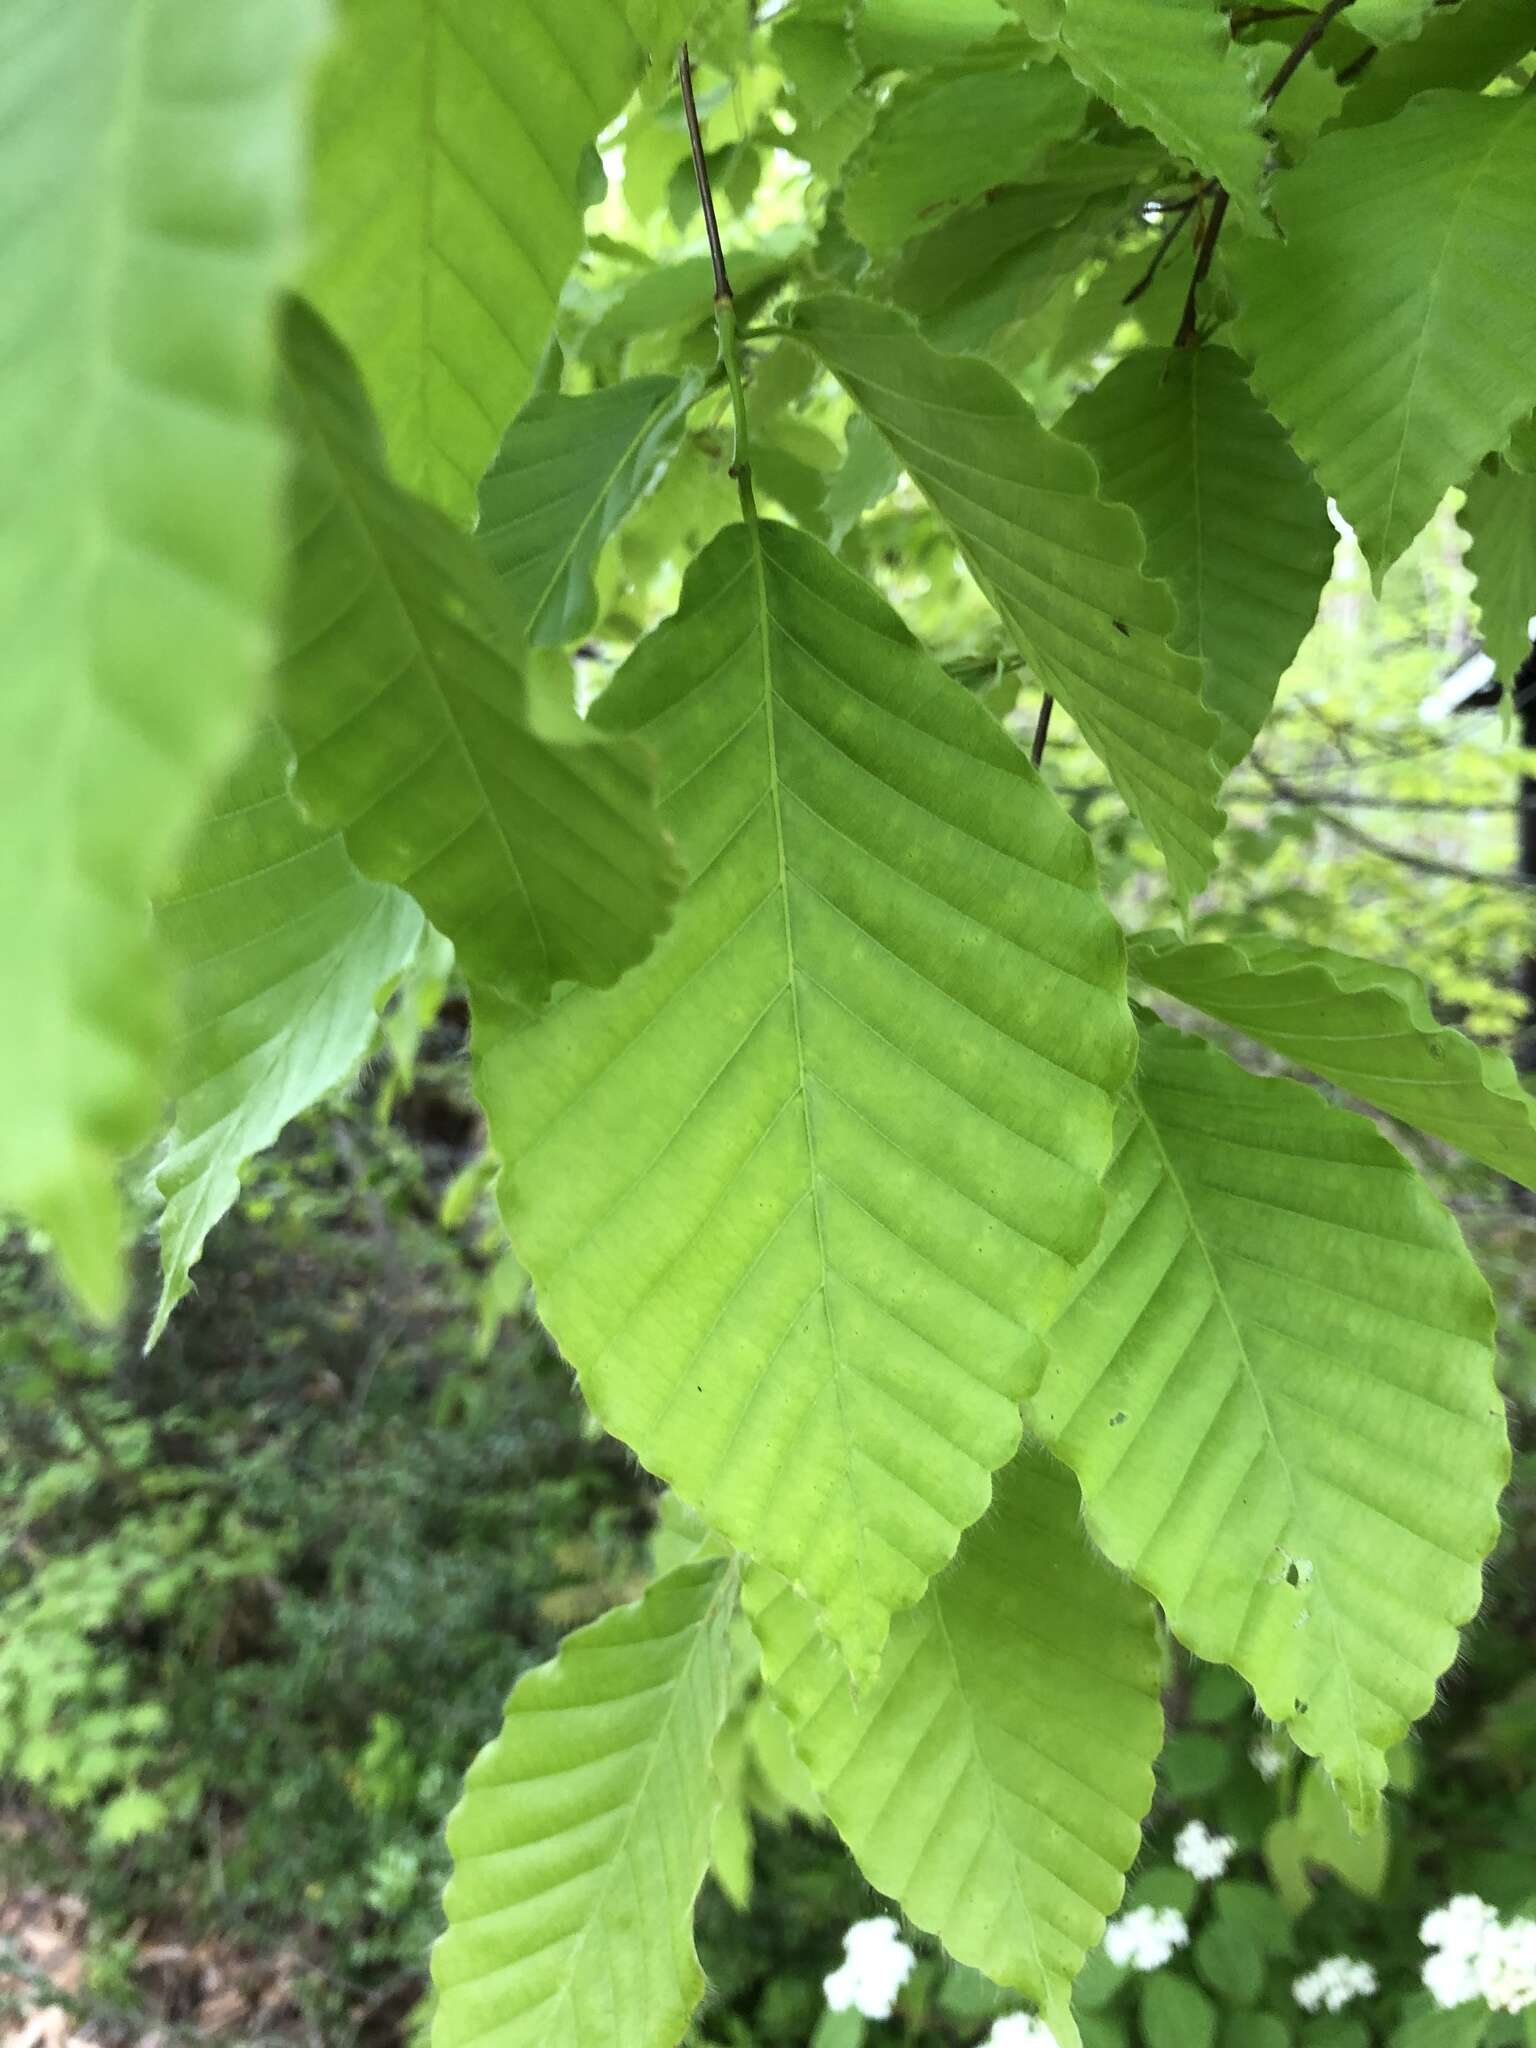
1146	1937
1474	1954
1336	1982
876	1963
1019	2030
1201	1853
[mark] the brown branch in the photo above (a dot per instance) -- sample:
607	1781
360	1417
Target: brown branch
1042	729
701	178
1421	863
1186	214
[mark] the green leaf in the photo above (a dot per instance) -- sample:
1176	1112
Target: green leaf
940	142
1392	330
999	263
869	473
1175	2013
567	473
584	1831
995	1777
407	711
1430	2026
1061	564
1389	21
1254	2030
1230	1962
448	203
284	951
1499	518
906	34
1275	1385
1327	1835
1465	47
1173	68
1234	524
149	156
1365	1027
799	1193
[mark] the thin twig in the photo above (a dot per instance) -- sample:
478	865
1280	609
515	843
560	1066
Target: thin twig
1189	320
1042	729
1312	34
1422	863
1173	234
701	176
725	303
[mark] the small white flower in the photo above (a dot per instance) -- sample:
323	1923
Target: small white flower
1202	1854
1337	1981
1450	1977
1506	1967
1267	1758
876	1963
1461	1926
1146	1937
1019	2030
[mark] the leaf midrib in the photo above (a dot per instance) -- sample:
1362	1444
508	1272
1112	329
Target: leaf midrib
770	728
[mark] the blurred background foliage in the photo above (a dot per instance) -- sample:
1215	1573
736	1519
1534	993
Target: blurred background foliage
262	1591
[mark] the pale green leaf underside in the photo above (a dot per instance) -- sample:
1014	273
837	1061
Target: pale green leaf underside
1393	332
994	1778
583	1834
1274	1383
1366	1027
567	472
799	1193
284	950
941	142
149	160
1172	67
1499	517
1234	523
1389	21
1061	564
406	709
447	203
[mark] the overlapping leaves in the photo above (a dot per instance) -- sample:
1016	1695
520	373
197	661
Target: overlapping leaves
284	953
798	1195
449	148
1234	523
995	1777
1062	564
1274	1384
402	696
1367	1027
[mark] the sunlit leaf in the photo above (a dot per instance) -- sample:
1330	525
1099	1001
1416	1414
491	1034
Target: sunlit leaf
797	1195
1366	1027
584	1833
448	203
994	1778
1274	1383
